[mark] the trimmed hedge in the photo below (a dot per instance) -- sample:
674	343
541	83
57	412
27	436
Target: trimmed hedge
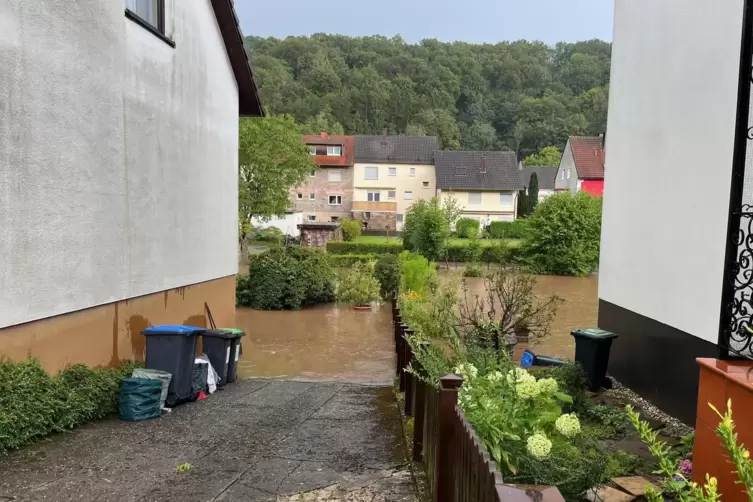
350	260
507	229
33	404
467	227
492	254
337	247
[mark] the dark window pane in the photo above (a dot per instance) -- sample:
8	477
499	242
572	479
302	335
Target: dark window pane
148	10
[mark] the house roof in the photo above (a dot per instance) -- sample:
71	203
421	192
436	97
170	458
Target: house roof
457	170
546	176
396	149
346	142
588	155
249	103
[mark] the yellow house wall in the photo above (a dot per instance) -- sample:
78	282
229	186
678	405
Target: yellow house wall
490	206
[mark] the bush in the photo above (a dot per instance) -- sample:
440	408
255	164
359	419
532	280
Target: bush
351	260
388	247
426	229
351	229
416	272
473	270
467	228
358	286
286	278
563	235
269	234
34	404
507	229
387	272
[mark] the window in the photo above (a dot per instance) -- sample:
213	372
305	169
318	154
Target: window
300	196
334	219
312	196
399	218
412	171
371	173
335	175
505	199
393	171
312	174
373	196
408	196
460	171
426	184
563	174
390	194
335	200
312	149
150	14
311	218
568	173
334	151
474	197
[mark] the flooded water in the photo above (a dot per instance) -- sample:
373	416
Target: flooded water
335	342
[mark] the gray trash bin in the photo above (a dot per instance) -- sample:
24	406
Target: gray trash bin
218	347
173	349
235	353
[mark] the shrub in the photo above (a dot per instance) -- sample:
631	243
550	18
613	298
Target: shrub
416	272
34	404
270	234
351	229
563	235
287	278
467	228
507	229
473	270
388	247
351	260
426	229
358	286
387	272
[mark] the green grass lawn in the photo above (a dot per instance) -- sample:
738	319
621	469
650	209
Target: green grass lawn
375	239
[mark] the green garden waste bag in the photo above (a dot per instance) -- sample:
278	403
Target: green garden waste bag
140	399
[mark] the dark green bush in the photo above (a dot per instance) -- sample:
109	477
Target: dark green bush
351	229
388	247
34	404
507	229
287	278
350	260
467	228
387	272
269	234
473	270
426	229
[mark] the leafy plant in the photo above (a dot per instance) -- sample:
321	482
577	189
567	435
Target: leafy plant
350	260
387	247
416	272
473	270
467	227
358	286
426	229
351	229
507	229
184	467
269	234
387	272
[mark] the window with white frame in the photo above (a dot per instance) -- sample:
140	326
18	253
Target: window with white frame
568	173
393	171
505	199
335	200
371	173
335	175
426	184
152	12
311	218
474	197
390	194
334	151
408	196
373	196
412	171
399	218
563	174
312	196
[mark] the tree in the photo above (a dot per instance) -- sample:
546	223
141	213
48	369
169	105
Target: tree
533	193
522	204
549	156
272	159
322	122
426	229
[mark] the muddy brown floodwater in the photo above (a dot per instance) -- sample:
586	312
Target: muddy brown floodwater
335	342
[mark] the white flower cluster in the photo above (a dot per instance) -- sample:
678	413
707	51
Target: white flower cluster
568	425
525	384
495	376
548	386
466	370
517	375
539	446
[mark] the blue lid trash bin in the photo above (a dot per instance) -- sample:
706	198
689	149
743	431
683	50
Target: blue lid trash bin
218	347
235	353
592	347
173	349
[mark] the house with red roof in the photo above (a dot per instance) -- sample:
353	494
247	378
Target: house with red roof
582	166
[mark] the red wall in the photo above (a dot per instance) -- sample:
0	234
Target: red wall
594	187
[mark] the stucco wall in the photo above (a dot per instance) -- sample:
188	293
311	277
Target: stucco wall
567	163
322	188
671	121
490	208
118	155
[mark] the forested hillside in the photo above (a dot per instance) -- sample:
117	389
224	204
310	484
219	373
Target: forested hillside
519	96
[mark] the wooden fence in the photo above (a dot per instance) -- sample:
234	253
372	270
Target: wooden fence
457	465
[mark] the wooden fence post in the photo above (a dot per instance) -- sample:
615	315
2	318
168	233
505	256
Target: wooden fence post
409	377
398	334
448	399
419	411
401	357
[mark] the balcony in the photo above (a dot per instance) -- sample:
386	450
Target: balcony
376	207
331	160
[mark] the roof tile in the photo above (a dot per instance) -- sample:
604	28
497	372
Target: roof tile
396	149
459	170
588	154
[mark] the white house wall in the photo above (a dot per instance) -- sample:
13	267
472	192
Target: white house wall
563	182
118	155
668	159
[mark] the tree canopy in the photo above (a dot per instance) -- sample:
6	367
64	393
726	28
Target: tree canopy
520	96
548	157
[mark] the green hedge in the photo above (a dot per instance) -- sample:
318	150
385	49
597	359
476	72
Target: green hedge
337	247
467	227
507	229
349	260
33	404
492	254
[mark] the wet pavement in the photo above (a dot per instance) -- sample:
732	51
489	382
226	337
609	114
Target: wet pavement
258	440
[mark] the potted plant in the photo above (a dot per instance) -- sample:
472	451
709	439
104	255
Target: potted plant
359	287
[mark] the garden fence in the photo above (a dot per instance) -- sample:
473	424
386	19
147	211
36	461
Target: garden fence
457	465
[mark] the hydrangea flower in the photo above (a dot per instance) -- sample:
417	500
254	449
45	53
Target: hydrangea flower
568	425
527	389
495	376
548	386
466	370
539	446
686	468
519	375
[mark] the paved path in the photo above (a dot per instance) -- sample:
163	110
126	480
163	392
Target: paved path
259	440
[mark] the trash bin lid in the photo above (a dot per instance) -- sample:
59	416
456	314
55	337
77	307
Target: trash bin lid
237	333
219	333
169	329
594	333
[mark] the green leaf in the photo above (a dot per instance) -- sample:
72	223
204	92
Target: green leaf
564	397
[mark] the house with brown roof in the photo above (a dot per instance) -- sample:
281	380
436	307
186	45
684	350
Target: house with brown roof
582	166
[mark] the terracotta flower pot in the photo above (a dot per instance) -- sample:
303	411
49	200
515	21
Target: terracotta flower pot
362	307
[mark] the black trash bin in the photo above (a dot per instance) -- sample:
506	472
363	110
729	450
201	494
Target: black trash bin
592	346
173	349
235	353
218	347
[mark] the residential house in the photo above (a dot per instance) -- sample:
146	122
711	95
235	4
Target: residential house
545	176
118	172
391	173
675	267
582	166
328	195
486	184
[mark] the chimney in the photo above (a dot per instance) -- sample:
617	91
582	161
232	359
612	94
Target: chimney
603	137
520	165
323	134
483	164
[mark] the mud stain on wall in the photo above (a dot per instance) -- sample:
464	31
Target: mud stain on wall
135	325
